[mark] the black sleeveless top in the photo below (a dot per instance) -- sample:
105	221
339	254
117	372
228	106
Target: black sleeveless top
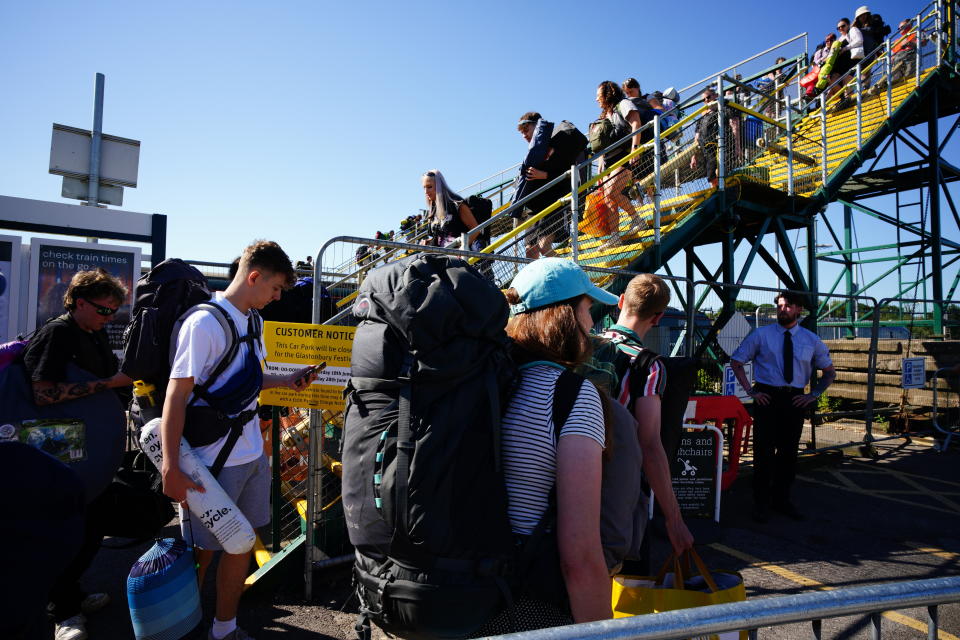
452	225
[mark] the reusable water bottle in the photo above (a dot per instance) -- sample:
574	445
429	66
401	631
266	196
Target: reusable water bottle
147	402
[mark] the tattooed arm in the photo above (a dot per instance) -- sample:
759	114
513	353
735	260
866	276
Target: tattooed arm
45	392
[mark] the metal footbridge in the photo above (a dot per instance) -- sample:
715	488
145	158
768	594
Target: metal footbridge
792	156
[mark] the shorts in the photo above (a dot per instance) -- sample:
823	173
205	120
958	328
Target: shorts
843	64
248	485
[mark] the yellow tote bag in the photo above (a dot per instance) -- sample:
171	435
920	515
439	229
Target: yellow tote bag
637	595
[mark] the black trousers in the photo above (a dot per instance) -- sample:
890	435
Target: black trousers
776	436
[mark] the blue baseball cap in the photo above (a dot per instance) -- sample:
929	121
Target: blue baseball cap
549	280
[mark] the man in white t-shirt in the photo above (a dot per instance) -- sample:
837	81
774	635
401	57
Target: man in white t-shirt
263	272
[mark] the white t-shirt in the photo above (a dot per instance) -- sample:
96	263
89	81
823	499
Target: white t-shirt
200	343
528	442
854	43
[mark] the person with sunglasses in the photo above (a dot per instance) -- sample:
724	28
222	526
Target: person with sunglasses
851	52
92	300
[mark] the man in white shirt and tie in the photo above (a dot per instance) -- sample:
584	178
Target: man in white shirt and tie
784	356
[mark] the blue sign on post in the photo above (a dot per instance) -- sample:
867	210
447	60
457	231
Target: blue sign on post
914	374
731	387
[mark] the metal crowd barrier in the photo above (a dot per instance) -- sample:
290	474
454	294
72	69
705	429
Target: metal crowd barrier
810	608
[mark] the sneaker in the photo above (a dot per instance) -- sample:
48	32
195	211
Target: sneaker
94	602
73	628
236	634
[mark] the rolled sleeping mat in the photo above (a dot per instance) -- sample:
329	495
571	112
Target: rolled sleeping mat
162	592
213	508
824	78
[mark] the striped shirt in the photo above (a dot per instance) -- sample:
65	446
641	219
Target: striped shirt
529	446
633	384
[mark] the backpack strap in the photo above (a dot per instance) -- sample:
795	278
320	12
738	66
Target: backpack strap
254	335
644	360
564	397
405	447
565	394
236	429
229	354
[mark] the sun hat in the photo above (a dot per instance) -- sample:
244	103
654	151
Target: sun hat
862	10
549	280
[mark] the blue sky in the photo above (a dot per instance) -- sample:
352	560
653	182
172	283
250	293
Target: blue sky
299	121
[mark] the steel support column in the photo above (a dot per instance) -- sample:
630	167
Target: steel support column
729	273
848	260
936	256
812	280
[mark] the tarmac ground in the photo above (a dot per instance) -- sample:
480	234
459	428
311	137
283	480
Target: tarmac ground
870	519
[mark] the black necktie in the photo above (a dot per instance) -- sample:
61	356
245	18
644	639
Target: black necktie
787	357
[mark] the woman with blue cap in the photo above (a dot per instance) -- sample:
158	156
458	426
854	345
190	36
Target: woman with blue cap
550	325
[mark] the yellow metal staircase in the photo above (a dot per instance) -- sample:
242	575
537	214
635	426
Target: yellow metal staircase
839	129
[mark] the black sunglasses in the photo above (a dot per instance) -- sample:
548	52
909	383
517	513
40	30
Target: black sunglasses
101	309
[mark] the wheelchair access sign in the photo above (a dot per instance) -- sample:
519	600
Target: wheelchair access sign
696	469
914	373
732	387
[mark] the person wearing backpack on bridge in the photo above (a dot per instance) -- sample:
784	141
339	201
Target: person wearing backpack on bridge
642	166
234	444
447	212
707	138
552	150
92	299
624	116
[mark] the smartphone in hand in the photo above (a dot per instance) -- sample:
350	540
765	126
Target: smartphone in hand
305	373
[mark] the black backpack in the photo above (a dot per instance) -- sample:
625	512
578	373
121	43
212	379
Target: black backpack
163	295
423	493
673	403
480	207
296	304
874	33
569	144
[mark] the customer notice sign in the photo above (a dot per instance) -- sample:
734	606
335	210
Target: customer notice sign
292	346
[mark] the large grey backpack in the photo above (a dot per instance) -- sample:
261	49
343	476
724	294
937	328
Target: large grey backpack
423	491
623	504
